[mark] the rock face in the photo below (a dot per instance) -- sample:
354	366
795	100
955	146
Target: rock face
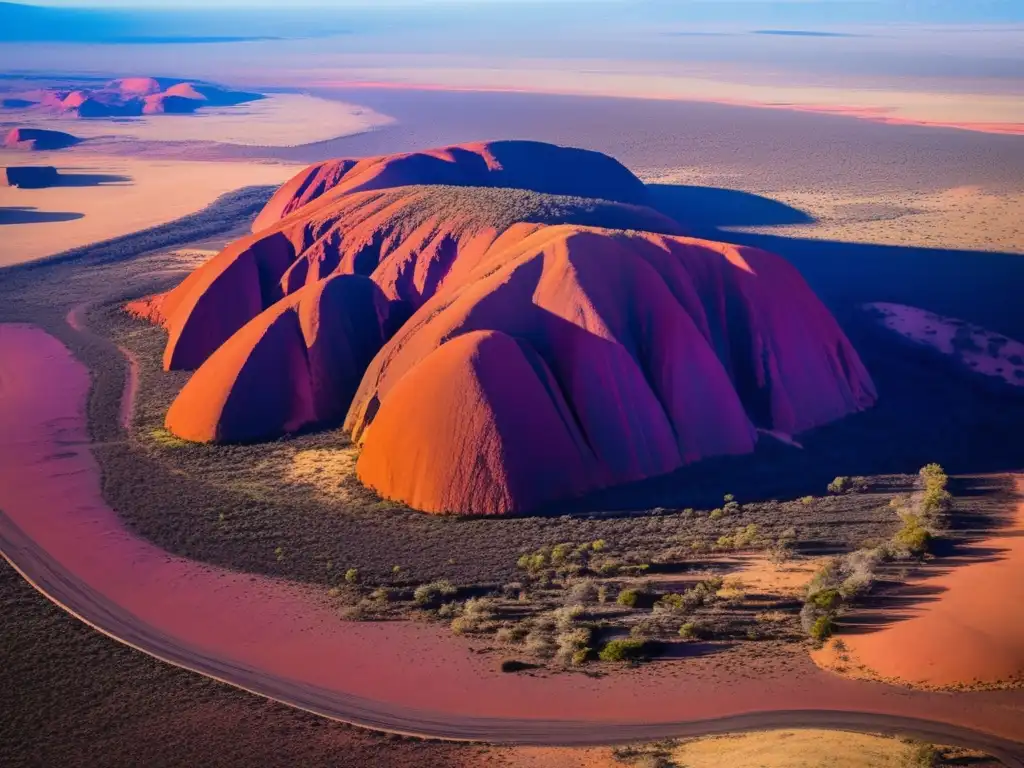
29	176
411	241
38	139
298	363
134	96
498	349
527	165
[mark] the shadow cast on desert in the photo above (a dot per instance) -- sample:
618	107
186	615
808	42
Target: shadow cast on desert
92	180
28	215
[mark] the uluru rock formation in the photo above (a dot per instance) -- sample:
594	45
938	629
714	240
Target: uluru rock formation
134	96
500	341
38	139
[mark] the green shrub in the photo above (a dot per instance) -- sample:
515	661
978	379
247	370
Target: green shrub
427	594
745	536
599	546
560	552
921	755
822	628
628	598
826	599
693	630
935	500
840	485
715	514
912	537
934	476
352	576
807	500
671	603
624	650
728	498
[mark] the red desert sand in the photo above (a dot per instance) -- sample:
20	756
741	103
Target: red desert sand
970	346
970	631
626	353
273	636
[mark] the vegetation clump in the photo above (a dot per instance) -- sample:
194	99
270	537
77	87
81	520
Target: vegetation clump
842	580
625	649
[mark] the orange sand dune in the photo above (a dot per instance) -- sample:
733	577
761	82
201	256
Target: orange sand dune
970	631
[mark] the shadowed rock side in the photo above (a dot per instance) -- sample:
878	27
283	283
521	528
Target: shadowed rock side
495	350
38	139
529	165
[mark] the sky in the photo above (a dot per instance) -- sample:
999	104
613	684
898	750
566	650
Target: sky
845	11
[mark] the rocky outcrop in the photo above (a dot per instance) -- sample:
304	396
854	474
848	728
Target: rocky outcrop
134	96
38	139
496	349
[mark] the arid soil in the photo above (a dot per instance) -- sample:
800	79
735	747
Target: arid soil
963	602
73	697
190	524
103	197
40	421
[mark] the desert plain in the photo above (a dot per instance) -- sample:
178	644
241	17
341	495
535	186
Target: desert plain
854	569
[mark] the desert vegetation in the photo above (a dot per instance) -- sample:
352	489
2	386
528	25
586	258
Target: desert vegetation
843	580
538	591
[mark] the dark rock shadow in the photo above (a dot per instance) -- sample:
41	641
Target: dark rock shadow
91	180
26	215
703	211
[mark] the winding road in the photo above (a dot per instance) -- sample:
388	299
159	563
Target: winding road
283	641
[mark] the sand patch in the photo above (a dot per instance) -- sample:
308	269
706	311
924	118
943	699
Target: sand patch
327	471
971	346
796	749
127	195
553	757
759	574
965	632
967	217
279	120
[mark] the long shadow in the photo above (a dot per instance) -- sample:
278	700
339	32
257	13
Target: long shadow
977	286
27	215
91	180
705	210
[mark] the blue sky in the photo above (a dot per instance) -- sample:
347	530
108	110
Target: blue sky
844	11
